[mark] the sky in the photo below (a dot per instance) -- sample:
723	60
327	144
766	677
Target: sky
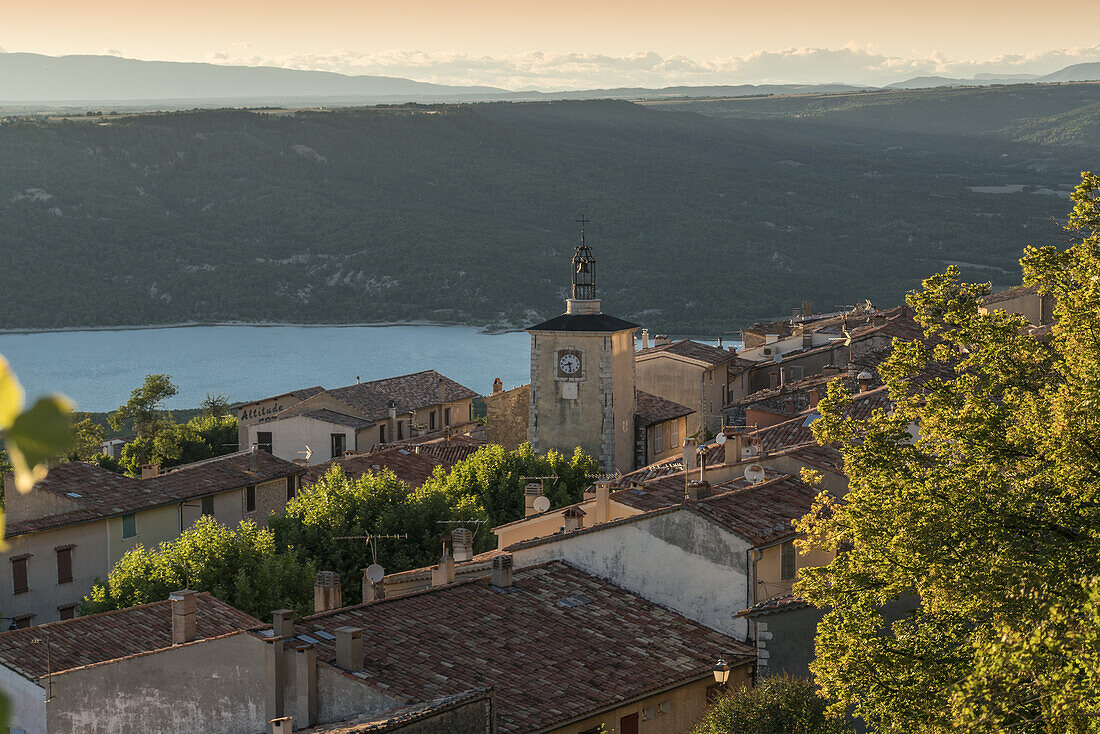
520	44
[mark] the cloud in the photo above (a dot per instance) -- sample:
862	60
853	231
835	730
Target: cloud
853	63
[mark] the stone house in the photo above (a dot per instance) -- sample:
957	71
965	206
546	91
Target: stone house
660	426
79	521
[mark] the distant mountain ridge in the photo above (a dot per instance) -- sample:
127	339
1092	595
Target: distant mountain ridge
35	81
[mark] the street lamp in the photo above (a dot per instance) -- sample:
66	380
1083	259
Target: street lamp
721	671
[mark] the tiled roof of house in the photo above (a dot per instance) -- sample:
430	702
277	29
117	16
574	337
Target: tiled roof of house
102	493
339	419
409	392
410	467
584	322
651	409
780	603
762	512
797	432
1010	294
716	455
99	638
692	350
400	718
453	451
558	646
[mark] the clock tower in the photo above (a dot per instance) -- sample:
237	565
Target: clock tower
582	375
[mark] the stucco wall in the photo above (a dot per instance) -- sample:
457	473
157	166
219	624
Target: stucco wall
474	717
207	686
506	417
291	435
548	523
89	559
677	559
32	505
686	705
340	697
27	702
258	413
769	569
700	388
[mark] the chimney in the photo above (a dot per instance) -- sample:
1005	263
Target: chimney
830	369
357	379
603	501
719	342
574	519
498	386
806	310
372	591
853	369
254	459
444	572
698	490
815	397
282	725
531	492
393	410
864	379
442	386
734	444
689	454
326	592
183	616
645	338
283	622
148	471
349	648
502	571
462	541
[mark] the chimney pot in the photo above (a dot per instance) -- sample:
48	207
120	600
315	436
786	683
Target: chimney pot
148	471
603	501
349	648
698	490
327	594
283	622
282	725
502	571
645	338
532	491
498	386
689	454
462	541
183	616
444	572
254	459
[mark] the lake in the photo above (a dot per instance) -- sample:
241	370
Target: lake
98	369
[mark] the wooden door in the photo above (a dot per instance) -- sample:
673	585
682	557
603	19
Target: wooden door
628	724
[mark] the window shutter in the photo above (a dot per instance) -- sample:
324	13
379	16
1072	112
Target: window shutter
64	565
19	576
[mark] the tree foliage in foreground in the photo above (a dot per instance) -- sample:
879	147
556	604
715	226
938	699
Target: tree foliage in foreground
488	486
991	518
779	705
240	566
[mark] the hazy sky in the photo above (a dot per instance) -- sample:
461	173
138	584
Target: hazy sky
519	43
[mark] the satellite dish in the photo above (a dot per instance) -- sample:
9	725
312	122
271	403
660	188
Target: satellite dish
542	503
375	573
777	358
749	450
720	438
755	473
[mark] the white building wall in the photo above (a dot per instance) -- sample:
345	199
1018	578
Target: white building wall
678	559
291	435
26	701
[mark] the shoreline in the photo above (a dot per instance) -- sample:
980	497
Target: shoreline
257	324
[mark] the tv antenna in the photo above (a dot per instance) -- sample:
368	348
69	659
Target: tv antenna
371	539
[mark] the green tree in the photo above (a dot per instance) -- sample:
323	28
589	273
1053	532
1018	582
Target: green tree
87	438
238	565
202	437
989	519
214	406
780	705
145	408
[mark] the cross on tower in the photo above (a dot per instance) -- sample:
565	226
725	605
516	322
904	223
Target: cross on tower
583	221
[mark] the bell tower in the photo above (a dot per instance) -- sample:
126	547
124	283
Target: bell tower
582	375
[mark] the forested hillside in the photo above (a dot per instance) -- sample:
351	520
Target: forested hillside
704	217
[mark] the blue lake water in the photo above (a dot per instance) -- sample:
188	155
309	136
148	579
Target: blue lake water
98	369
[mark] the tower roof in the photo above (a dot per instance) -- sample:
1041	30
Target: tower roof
584	322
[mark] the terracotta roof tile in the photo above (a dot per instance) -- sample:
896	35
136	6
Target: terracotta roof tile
692	350
397	719
331	416
99	638
780	603
651	409
103	493
561	644
409	392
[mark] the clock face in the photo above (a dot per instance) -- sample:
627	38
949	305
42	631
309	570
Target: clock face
569	364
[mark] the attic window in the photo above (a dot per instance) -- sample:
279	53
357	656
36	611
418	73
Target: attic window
72	494
811	418
307	638
574	601
324	635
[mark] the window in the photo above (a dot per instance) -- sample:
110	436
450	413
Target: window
66	612
788	560
291	489
658	439
19	575
338	443
446	416
129	525
674	434
431	420
400	430
65	565
250	498
382	433
24	621
263	441
208	506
